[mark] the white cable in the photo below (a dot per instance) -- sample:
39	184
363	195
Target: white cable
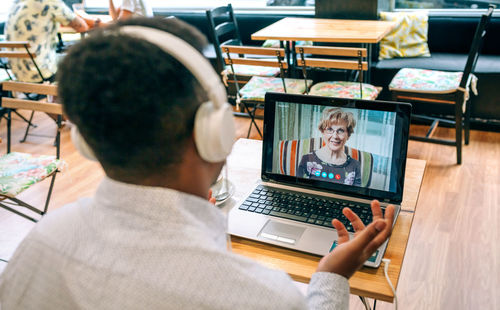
386	268
365	303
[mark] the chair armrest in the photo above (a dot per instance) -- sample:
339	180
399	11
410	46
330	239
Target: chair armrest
14	44
12	103
15	54
42	89
26	104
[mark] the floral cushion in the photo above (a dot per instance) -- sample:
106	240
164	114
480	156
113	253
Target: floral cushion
18	171
251	70
258	86
349	90
427	81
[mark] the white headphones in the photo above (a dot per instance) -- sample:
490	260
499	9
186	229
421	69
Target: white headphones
214	130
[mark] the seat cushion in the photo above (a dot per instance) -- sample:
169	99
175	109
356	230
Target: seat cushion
18	171
425	81
408	38
257	87
252	70
344	90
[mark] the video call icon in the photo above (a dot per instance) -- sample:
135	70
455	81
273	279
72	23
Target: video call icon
317	173
323	174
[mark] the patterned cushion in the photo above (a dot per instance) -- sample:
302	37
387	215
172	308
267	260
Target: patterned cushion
344	90
18	171
426	81
258	86
408	38
251	70
291	151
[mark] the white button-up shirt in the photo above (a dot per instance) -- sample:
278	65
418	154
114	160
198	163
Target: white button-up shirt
137	247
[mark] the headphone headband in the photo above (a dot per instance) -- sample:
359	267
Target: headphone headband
187	55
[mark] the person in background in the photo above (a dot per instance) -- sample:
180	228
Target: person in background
38	21
130	8
149	238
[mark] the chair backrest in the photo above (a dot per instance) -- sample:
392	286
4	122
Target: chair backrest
33	105
18	49
235	55
476	46
223	30
348	58
291	152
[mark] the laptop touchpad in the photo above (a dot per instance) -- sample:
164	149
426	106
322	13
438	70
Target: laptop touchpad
281	232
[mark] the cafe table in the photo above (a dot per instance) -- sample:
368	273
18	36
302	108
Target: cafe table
363	32
244	173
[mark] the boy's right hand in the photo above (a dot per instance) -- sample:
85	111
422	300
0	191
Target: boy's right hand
349	255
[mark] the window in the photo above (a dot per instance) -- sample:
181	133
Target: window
4	10
245	4
202	5
442	4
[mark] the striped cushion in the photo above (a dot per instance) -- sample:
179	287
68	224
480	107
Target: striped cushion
291	151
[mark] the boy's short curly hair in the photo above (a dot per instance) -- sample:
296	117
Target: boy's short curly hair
133	103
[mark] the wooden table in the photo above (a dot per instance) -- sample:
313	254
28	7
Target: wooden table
325	30
244	171
364	32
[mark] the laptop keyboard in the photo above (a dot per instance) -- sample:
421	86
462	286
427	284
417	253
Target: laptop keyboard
306	208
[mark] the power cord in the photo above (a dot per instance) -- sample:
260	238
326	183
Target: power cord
386	268
365	303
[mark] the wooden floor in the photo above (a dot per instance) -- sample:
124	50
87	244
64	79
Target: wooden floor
453	256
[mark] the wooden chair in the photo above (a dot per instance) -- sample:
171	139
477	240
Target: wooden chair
21	50
252	95
346	59
223	29
19	171
428	89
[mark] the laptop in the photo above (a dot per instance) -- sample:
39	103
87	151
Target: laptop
321	154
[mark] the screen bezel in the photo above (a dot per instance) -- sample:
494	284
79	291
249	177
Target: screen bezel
402	127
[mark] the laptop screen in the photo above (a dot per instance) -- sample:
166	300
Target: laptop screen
346	146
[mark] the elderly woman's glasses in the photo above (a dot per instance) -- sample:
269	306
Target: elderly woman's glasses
338	131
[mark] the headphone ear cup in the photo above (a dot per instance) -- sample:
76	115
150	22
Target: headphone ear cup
81	146
214	131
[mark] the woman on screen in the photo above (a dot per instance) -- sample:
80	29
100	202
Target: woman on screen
330	162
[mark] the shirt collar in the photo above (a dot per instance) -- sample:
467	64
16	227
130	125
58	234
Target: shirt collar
144	204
